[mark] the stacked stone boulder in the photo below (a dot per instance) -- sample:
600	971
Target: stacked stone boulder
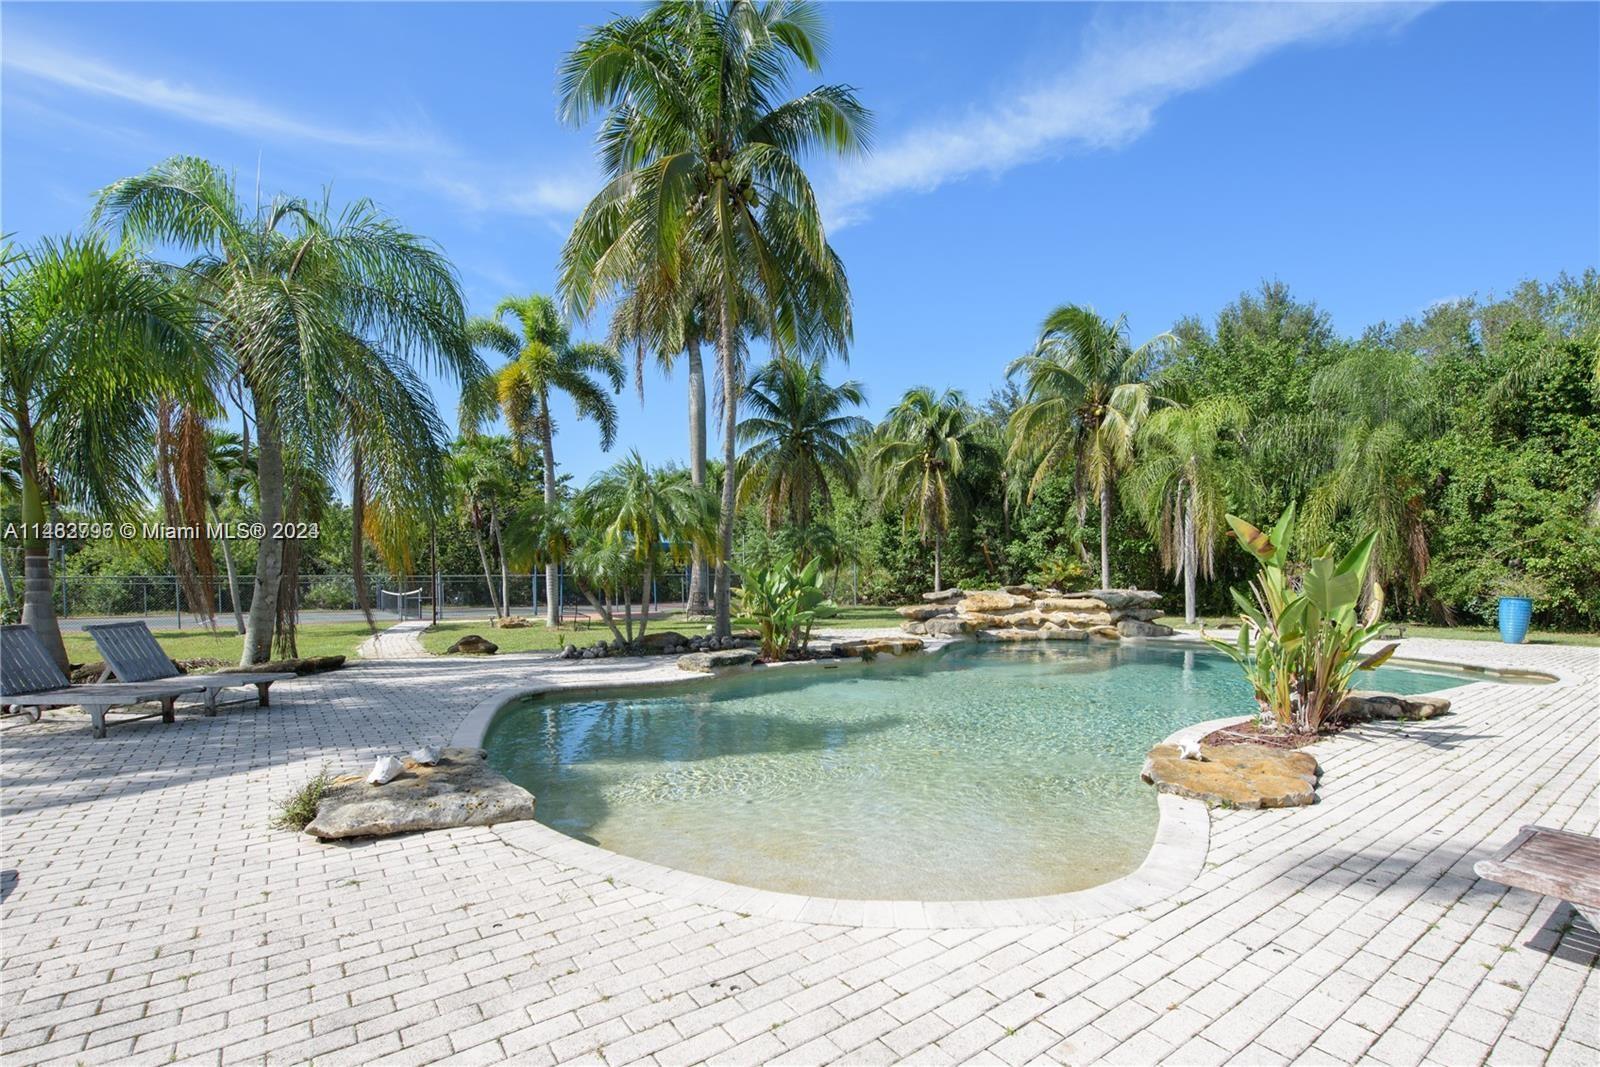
1024	613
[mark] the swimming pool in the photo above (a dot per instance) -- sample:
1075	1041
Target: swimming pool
979	772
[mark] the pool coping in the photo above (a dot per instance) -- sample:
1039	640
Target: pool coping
1176	856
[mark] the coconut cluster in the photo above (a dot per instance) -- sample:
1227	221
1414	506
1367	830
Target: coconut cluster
1026	613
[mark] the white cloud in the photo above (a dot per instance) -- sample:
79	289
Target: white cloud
241	115
1106	99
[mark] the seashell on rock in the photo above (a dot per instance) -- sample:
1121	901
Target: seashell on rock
385	770
427	755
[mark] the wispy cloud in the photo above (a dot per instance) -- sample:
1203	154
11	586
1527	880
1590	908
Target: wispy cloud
41	60
1107	98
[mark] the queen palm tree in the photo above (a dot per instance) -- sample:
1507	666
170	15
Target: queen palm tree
1188	474
1085	388
542	360
230	474
795	435
283	290
91	340
703	160
917	459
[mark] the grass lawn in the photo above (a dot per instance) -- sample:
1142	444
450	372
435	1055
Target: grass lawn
1452	633
313	639
538	638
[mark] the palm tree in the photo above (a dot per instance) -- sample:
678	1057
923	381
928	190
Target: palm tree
305	304
1372	407
10	495
542	360
644	514
230	473
795	436
703	161
479	475
1085	389
91	340
917	459
1189	473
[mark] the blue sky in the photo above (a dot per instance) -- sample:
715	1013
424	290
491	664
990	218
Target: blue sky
1151	159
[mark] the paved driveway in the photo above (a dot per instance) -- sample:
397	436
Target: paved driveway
151	916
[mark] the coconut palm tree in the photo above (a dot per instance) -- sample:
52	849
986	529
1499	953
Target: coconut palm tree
91	340
480	473
283	290
1085	388
1188	473
702	156
795	435
917	459
542	360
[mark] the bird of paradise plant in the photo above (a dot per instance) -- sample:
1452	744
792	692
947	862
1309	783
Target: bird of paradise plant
1300	637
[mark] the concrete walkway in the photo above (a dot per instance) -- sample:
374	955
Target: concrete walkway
151	916
400	641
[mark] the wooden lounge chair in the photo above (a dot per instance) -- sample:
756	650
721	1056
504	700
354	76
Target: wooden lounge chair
133	654
1554	863
31	681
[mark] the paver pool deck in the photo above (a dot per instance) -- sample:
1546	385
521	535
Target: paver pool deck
151	915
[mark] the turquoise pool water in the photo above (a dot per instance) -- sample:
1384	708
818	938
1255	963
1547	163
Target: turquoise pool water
976	773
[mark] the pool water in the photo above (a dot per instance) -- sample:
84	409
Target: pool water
975	773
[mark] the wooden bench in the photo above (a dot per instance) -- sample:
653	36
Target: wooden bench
1553	863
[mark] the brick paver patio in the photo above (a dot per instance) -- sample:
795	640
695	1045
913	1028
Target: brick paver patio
151	916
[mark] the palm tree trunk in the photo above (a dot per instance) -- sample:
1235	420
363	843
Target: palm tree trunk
699	601
1105	536
500	551
730	425
1191	559
233	576
552	596
269	553
644	597
483	559
38	592
938	573
358	552
5	579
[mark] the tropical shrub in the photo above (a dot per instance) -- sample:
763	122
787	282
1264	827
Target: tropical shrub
784	600
1300	638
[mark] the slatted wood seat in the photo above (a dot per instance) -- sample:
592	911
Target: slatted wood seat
1554	863
31	681
133	654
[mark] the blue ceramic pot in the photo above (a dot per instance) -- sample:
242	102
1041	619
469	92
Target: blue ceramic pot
1515	611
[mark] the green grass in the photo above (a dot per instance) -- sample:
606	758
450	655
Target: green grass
1450	633
313	639
538	638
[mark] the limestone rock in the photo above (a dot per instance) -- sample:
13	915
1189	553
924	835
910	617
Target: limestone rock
1069	603
306	665
877	646
1062	633
1111	633
661	640
946	626
1364	706
474	645
721	659
1088	619
460	790
923	612
1236	776
1117	599
914	627
1135	628
944	596
992	601
1022	590
509	622
1141	614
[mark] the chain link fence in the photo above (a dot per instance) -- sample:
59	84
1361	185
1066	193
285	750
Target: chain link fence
159	596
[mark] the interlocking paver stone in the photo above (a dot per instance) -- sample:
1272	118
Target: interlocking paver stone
151	915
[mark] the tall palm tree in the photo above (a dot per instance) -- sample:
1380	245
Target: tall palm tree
91	340
542	360
1085	388
796	435
703	160
917	459
304	303
1188	474
480	473
672	315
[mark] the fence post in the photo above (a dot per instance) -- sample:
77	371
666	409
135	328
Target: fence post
177	600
